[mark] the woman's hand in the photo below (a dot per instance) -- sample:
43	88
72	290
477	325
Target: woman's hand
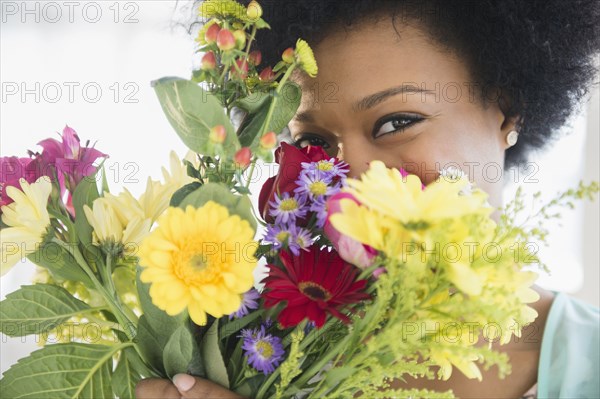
183	386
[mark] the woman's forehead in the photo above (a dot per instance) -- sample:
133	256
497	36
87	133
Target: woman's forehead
355	66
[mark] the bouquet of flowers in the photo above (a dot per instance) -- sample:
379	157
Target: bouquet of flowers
369	280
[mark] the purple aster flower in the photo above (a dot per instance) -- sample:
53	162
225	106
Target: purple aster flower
249	302
286	209
326	168
314	186
278	235
301	239
319	207
264	351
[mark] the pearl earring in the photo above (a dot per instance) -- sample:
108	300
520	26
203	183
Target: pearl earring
512	137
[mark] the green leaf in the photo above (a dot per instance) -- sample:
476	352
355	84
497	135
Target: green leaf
125	376
192	112
254	101
85	193
338	374
158	320
71	370
151	345
183	192
236	325
236	204
60	263
285	107
178	352
213	359
34	309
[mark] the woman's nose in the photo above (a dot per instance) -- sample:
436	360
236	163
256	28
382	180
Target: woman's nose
358	153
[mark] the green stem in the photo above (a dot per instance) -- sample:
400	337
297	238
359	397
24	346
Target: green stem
250	173
121	318
267	122
318	366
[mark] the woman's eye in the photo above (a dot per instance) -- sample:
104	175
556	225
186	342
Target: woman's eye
305	141
395	124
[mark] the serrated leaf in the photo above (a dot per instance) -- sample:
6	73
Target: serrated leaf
192	112
212	357
59	263
125	377
34	309
71	370
178	352
236	204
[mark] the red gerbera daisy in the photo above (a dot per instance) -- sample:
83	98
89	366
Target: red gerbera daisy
314	283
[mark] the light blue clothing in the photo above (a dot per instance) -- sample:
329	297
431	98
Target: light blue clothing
570	355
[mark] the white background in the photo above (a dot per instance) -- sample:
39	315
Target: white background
125	46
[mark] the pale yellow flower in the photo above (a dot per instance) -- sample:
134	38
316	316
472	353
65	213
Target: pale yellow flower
155	200
306	58
28	221
403	199
200	259
104	220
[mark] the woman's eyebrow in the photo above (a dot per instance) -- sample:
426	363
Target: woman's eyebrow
374	99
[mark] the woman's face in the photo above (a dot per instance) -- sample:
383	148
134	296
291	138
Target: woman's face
397	97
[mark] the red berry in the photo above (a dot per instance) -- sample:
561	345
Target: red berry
211	33
217	134
267	75
268	141
242	65
242	157
209	62
288	55
255	57
225	40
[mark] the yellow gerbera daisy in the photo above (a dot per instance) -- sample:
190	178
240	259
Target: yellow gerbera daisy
201	259
28	221
306	58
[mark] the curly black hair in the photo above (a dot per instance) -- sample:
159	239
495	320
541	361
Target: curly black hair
541	53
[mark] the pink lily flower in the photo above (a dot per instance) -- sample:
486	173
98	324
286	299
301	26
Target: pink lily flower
71	161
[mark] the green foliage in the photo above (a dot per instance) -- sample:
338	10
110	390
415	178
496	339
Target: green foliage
192	112
35	309
60	263
72	370
211	353
177	353
236	204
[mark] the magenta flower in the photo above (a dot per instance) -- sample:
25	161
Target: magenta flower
71	161
11	170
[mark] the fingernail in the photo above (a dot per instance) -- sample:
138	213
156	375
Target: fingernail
184	382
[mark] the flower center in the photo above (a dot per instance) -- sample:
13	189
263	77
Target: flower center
198	262
314	291
318	188
282	236
265	349
289	204
325	166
